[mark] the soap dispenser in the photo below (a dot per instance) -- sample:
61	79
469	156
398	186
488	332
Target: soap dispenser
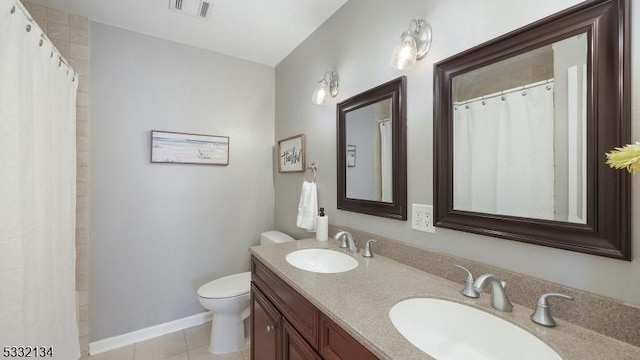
322	226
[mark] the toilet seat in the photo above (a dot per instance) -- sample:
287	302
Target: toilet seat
226	287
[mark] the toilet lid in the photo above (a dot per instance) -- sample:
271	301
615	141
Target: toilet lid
228	286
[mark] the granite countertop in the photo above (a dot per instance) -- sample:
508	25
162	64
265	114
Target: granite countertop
359	301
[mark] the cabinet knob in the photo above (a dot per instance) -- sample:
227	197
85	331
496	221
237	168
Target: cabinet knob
270	328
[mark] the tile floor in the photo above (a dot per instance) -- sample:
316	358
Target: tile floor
188	344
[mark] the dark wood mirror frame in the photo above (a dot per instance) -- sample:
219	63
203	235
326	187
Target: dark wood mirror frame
394	90
607	231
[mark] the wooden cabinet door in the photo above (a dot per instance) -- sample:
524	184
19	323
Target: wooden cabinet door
337	344
294	346
266	328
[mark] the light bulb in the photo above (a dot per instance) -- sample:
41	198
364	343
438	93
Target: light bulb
405	54
320	93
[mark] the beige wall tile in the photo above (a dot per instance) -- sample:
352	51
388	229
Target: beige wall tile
82	159
82	144
82	115
82	129
82	252
85	83
84	313
79	52
82	98
82	189
82	173
62	46
80	66
83	328
36	10
42	22
82	283
82	266
82	205
55	16
82	218
84	345
80	240
79	36
83	297
58	32
78	22
82	233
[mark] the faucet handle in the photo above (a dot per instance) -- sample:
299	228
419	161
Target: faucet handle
542	314
468	290
367	249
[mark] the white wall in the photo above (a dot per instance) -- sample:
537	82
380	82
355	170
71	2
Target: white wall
159	231
357	41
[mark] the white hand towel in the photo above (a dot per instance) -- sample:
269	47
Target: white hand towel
308	207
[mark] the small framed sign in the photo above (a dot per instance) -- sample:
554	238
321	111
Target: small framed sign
291	154
182	148
351	155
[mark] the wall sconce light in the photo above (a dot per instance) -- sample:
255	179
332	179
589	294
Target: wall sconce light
414	45
328	85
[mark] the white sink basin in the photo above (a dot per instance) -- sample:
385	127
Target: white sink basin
450	331
321	261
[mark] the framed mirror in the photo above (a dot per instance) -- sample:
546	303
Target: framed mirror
522	125
372	151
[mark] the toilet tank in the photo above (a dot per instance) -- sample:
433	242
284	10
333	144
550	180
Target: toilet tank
274	237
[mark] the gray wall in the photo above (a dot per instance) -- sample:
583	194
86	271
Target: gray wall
159	231
357	41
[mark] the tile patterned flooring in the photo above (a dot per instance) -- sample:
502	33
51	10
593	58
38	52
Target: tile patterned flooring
188	344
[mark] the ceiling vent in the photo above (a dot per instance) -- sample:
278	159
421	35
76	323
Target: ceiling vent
199	8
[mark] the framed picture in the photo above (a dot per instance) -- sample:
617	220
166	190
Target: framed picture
291	154
182	148
351	155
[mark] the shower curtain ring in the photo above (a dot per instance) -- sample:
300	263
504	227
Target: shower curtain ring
13	9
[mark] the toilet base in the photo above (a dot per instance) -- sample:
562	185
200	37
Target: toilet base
227	334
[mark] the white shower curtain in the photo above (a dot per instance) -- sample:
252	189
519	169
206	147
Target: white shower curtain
386	160
37	190
504	154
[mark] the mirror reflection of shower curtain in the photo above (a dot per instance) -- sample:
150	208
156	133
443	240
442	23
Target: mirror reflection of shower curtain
577	132
504	154
386	165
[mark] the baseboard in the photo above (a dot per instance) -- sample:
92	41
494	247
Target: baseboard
131	338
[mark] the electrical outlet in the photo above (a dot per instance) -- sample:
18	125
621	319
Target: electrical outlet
422	218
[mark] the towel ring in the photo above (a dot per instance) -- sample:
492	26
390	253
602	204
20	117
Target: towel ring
313	168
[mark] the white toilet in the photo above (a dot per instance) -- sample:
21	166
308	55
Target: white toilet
228	298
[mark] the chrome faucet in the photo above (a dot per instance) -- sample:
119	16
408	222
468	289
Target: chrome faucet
347	241
499	299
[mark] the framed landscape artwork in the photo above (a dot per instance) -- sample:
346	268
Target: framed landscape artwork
182	148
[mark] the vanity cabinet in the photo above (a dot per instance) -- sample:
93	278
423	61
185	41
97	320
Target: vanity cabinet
286	326
294	345
265	327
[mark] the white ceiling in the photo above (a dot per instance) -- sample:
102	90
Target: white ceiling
257	30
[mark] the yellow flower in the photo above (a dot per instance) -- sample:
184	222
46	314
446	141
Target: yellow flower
627	157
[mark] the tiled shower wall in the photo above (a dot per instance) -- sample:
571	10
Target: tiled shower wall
70	34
